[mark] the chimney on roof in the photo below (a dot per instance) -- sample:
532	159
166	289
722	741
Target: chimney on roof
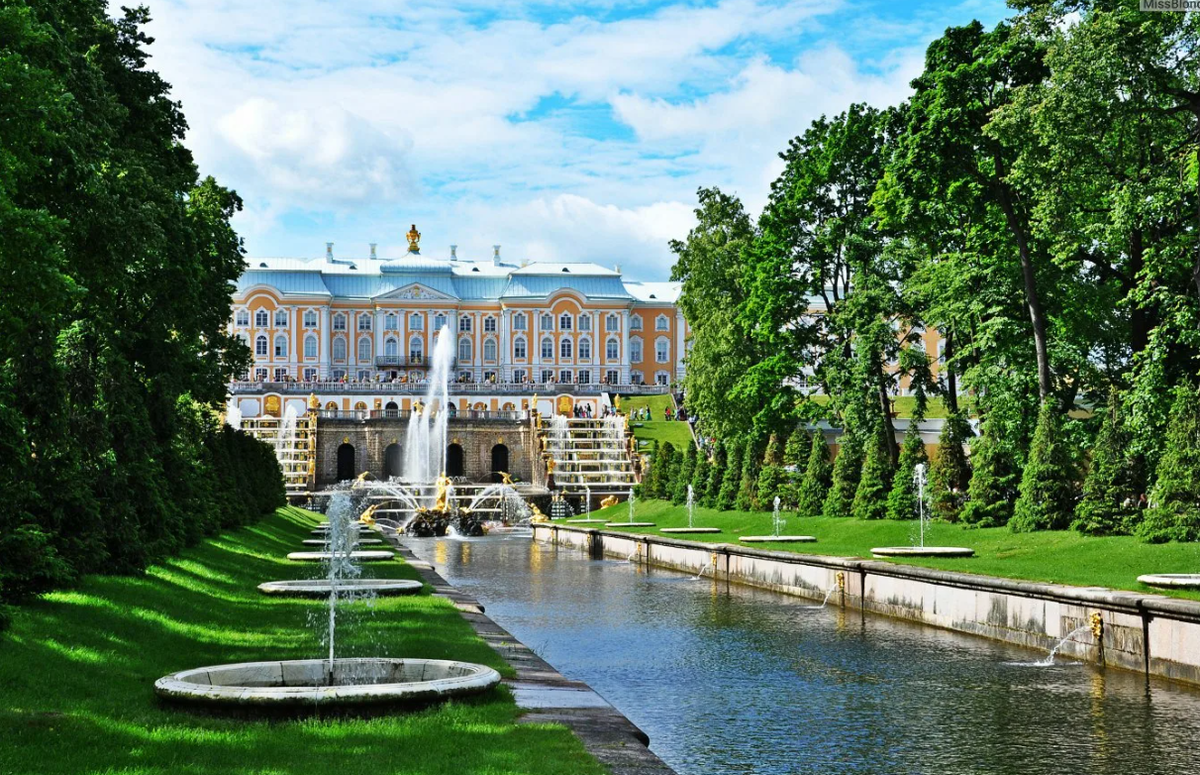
454	252
373	244
328	251
617	268
496	255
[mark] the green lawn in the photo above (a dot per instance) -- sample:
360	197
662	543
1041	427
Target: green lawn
77	669
1065	557
658	429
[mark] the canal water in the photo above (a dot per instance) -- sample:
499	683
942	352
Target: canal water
730	679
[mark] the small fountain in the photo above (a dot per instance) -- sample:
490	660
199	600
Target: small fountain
630	522
691	512
777	524
919	549
1048	661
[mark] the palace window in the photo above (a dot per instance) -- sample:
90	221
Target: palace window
281	374
585	377
661	323
518	321
391	348
635	323
364	349
612	377
662	349
519	376
242	319
635	349
416	350
564	321
635	377
310	374
489	376
310	346
364	321
548	349
439	321
262	319
364	375
547	375
612	349
547	323
391	321
489	350
464	324
564	377
339	349
260	346
662	377
585	322
612	323
564	349
281	346
260	375
416	321
464	350
489	324
585	346
339	322
338	374
281	318
464	376
310	318
519	350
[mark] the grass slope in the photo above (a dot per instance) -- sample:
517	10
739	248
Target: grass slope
678	433
77	670
1063	557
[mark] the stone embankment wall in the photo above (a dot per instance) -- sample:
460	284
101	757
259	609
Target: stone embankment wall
1154	634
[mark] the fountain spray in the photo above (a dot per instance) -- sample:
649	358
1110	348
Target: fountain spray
776	520
630	505
919	481
691	507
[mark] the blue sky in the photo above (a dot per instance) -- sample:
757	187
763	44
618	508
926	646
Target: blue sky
573	131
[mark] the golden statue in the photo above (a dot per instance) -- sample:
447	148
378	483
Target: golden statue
609	501
550	465
442	503
506	478
362	477
414	237
313	402
418	407
538	516
368	516
617	403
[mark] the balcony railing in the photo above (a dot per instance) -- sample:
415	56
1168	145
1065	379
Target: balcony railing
243	387
402	415
406	362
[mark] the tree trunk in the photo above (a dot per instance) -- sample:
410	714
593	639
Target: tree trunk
889	427
951	377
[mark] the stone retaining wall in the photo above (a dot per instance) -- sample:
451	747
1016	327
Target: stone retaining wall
1151	633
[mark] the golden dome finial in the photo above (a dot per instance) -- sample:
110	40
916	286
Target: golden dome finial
414	238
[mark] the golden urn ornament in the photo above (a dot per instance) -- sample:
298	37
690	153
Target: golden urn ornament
414	239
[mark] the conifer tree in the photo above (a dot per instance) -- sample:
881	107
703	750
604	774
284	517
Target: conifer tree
772	478
681	480
795	453
871	495
992	489
1047	491
1174	513
818	473
732	479
700	476
950	471
661	469
1108	505
902	500
847	470
716	477
746	494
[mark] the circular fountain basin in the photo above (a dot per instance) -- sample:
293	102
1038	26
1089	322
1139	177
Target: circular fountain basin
320	587
690	530
367	555
1172	580
324	542
305	683
922	551
627	524
778	539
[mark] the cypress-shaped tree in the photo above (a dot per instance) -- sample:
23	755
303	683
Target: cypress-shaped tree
700	476
663	459
795	453
772	478
871	495
646	488
992	489
847	470
681	480
950	471
1047	492
818	473
751	464
716	477
1174	513
902	500
1109	501
732	479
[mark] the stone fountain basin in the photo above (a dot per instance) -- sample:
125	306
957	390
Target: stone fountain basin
1172	580
581	521
320	587
325	542
367	555
778	539
624	524
922	551
690	530
299	683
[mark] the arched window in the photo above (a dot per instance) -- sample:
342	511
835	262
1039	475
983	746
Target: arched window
310	318
661	323
612	323
635	323
662	349
242	318
585	322
489	350
364	349
339	322
519	350
281	318
260	345
548	349
262	319
635	349
585	345
518	321
612	349
565	348
416	350
390	347
364	321
464	349
339	349
281	346
547	322
565	321
416	321
439	322
310	346
390	321
346	469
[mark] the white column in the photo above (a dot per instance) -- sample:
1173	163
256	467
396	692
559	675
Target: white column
680	337
477	327
504	356
326	344
454	336
402	334
624	370
352	340
378	334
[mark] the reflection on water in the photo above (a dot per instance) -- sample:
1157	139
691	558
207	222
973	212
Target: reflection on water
729	679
